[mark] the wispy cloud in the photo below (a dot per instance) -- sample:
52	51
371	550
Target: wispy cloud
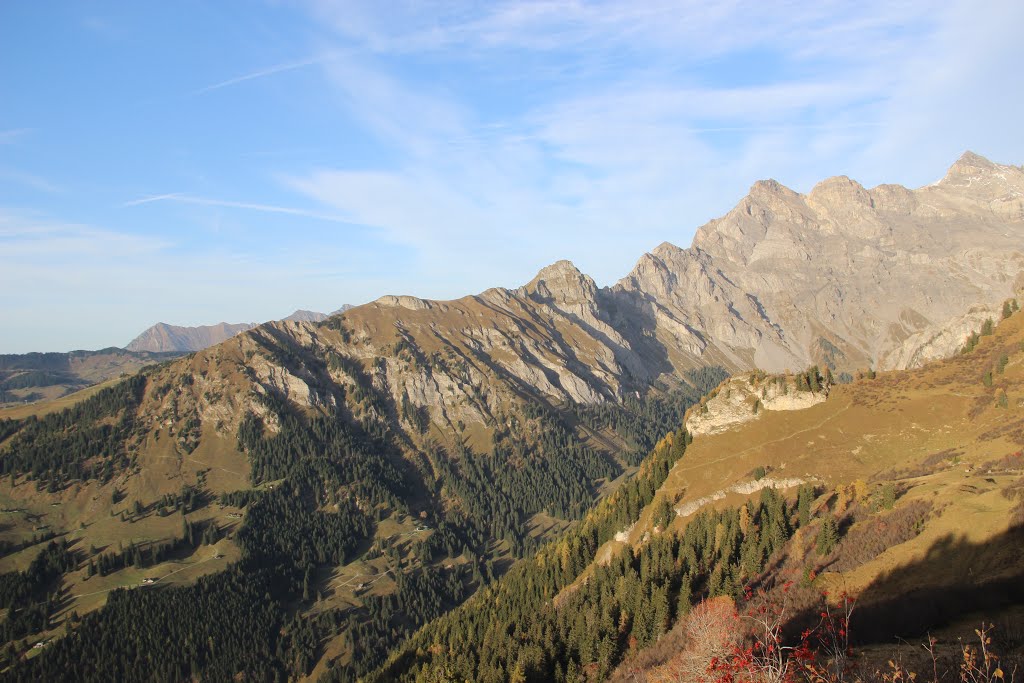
283	67
466	144
30	235
653	116
87	286
689	28
246	206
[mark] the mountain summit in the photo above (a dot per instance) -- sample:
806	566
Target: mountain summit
163	337
843	276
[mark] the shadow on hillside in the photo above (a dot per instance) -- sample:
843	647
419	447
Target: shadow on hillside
955	578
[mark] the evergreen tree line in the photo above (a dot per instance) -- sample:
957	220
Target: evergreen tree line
190	498
28	595
237	622
323	460
334	479
8	547
54	448
9	427
226	624
501	490
516	631
38	378
148	554
17	589
421	596
643	421
496	616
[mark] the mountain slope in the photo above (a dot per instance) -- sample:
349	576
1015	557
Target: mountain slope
285	451
164	338
917	474
782	281
39	376
302	315
182	339
377	468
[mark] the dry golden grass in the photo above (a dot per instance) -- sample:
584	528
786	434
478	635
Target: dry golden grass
939	436
892	423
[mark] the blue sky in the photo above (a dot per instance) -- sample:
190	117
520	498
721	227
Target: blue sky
193	162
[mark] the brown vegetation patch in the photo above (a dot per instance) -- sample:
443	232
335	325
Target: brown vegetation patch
979	405
709	631
930	465
865	541
1014	431
1011	462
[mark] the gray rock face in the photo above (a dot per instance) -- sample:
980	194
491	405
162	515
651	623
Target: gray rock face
844	276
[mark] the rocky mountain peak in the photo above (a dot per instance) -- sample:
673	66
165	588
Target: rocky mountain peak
561	283
165	338
770	187
970	164
666	250
839	190
975	179
403	301
302	315
787	280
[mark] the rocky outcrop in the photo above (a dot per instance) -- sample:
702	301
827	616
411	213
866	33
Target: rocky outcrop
744	398
743	488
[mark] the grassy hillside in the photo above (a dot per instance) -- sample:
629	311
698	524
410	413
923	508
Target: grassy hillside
903	490
276	457
36	381
276	465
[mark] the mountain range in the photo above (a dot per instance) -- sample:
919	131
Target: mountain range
843	277
33	377
164	338
323	489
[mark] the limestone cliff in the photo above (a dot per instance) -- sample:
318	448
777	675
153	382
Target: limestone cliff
844	277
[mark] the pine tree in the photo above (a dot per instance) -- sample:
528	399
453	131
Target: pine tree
804	499
659	596
663	512
812	377
683	604
307	586
828	535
